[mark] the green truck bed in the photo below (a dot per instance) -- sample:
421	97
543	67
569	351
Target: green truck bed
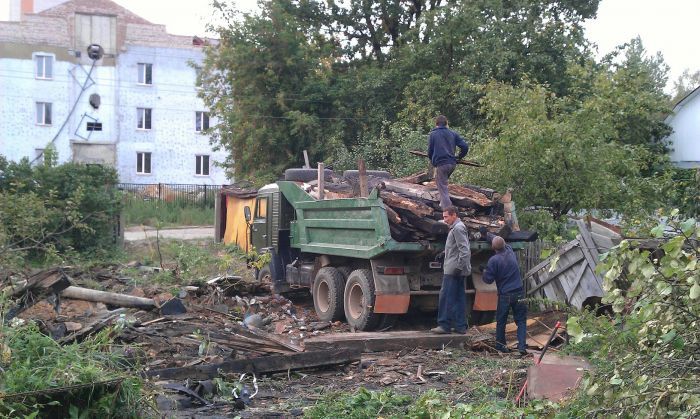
350	227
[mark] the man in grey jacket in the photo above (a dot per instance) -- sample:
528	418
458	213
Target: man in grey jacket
452	305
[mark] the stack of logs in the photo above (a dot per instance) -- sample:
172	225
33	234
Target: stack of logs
413	205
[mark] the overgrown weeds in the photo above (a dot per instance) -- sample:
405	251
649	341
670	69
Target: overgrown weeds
41	377
166	214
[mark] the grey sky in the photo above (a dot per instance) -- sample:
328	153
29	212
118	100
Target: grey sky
666	26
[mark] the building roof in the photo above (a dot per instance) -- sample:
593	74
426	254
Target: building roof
105	7
687	98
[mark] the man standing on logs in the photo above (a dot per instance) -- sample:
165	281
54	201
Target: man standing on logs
452	304
441	151
504	270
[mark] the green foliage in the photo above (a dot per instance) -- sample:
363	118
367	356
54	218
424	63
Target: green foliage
168	214
685	193
47	211
646	355
33	362
431	404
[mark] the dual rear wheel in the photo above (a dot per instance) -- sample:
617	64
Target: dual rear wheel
344	293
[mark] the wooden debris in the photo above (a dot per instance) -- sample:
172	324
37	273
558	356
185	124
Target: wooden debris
261	365
395	200
38	287
112	298
421	177
384	341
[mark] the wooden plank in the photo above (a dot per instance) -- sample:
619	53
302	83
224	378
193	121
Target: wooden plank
397	201
592	257
421	177
363	178
464	196
38	287
321	181
261	365
393	217
411	190
277	339
577	281
307	164
568	246
602	243
384	341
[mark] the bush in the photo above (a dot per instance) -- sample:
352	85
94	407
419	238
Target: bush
50	210
646	354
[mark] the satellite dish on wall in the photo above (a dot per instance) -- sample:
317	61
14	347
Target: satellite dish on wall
95	52
95	100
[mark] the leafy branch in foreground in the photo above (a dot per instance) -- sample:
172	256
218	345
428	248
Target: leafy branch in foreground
647	355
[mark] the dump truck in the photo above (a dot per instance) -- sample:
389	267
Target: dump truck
343	251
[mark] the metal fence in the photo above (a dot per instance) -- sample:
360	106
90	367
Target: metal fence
178	194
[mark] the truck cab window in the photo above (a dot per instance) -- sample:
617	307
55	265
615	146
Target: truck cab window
261	208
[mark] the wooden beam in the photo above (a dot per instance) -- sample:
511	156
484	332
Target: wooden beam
426	224
261	365
556	273
38	287
321	181
394	218
384	341
411	190
568	246
421	177
397	201
307	165
364	192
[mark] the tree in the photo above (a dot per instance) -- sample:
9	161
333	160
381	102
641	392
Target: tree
686	83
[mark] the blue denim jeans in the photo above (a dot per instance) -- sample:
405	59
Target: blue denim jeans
505	303
452	304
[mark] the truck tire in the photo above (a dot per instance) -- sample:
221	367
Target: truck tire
265	274
327	290
359	300
305	175
355	174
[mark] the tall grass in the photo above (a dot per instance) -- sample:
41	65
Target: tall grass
150	213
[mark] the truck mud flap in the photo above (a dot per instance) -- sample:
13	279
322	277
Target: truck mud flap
391	303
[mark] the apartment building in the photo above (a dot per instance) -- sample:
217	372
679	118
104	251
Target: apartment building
132	103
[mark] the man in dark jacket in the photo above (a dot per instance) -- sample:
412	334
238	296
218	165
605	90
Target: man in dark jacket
452	305
504	270
441	150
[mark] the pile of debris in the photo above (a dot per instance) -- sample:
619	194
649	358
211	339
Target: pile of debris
413	203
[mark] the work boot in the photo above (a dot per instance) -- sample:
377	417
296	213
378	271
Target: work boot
439	331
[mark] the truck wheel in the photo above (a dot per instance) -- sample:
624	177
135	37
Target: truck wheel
328	294
265	274
305	175
359	300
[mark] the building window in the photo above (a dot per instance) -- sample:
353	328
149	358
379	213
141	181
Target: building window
145	73
144	116
201	165
43	113
201	121
143	163
94	126
44	66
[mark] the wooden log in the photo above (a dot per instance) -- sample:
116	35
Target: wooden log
463	196
321	181
421	177
414	191
364	192
464	162
426	224
121	300
395	200
393	217
384	341
261	365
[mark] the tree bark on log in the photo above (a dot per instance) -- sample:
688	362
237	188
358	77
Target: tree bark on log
121	300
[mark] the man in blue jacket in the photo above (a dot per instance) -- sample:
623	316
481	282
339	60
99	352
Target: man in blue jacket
504	270
441	150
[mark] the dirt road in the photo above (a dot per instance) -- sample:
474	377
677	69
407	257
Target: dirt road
182	233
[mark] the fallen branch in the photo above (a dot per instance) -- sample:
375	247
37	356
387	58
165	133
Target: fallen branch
121	300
